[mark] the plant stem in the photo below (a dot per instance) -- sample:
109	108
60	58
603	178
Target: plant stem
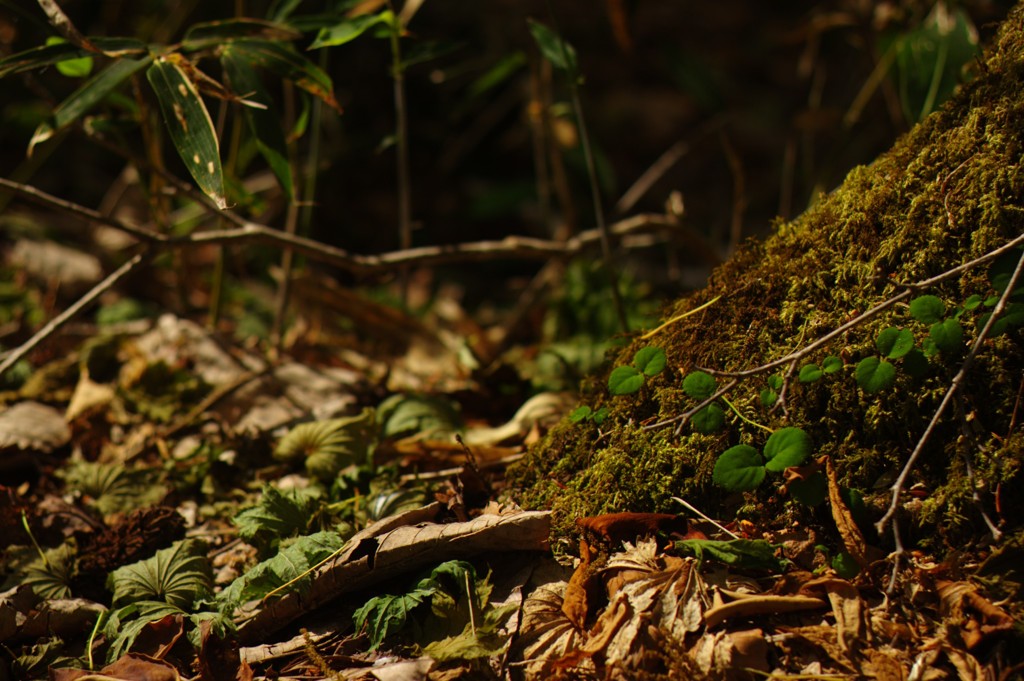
402	146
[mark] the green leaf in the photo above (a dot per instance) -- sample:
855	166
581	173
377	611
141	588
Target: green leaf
125	624
699	385
845	565
580	413
383	616
948	335
190	126
52	577
330	445
831	364
751	554
739	469
895	343
278	515
1001	272
348	30
650	360
810	491
927	309
874	374
786	447
284	61
769	397
775	381
709	420
625	380
91	93
407	414
973	302
290	566
600	415
75	67
809	373
556	50
263	122
179	575
916	363
215	33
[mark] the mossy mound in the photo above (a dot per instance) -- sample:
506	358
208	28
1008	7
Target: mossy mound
950	191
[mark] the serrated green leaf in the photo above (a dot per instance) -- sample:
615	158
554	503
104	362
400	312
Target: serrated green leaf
786	447
874	374
894	343
91	93
328	446
73	67
283	60
947	335
752	554
348	30
290	566
927	309
179	575
555	49
831	364
264	123
650	360
625	380
709	420
278	515
383	616
699	385
809	373
190	126
739	469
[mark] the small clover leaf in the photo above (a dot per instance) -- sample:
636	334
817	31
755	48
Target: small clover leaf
875	374
894	343
947	334
709	419
831	364
769	397
809	373
786	447
699	385
625	380
927	309
650	360
739	469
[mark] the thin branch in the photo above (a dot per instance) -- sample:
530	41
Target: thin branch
897	487
65	316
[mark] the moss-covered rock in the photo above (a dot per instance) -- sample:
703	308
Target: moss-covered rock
949	192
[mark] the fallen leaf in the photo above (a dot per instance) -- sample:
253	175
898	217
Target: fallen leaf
853	538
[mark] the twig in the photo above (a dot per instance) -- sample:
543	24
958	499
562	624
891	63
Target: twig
694	509
681	419
79	305
897	487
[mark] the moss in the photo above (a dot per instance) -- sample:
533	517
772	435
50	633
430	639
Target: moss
949	191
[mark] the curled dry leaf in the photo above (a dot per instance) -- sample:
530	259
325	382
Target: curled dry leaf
977	617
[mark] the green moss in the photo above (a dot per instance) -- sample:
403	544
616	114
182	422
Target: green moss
949	191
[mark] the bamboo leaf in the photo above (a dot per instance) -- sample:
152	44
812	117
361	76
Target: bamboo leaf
287	63
86	97
190	126
263	123
213	33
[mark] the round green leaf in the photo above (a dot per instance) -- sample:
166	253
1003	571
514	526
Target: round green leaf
916	363
927	309
625	380
831	364
699	385
973	302
775	381
709	420
650	360
895	343
739	469
809	373
769	397
948	335
580	413
874	374
786	447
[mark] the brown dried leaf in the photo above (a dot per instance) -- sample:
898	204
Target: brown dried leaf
33	426
617	528
853	539
727	655
961	603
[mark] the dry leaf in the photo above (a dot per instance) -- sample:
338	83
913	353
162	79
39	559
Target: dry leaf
853	539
